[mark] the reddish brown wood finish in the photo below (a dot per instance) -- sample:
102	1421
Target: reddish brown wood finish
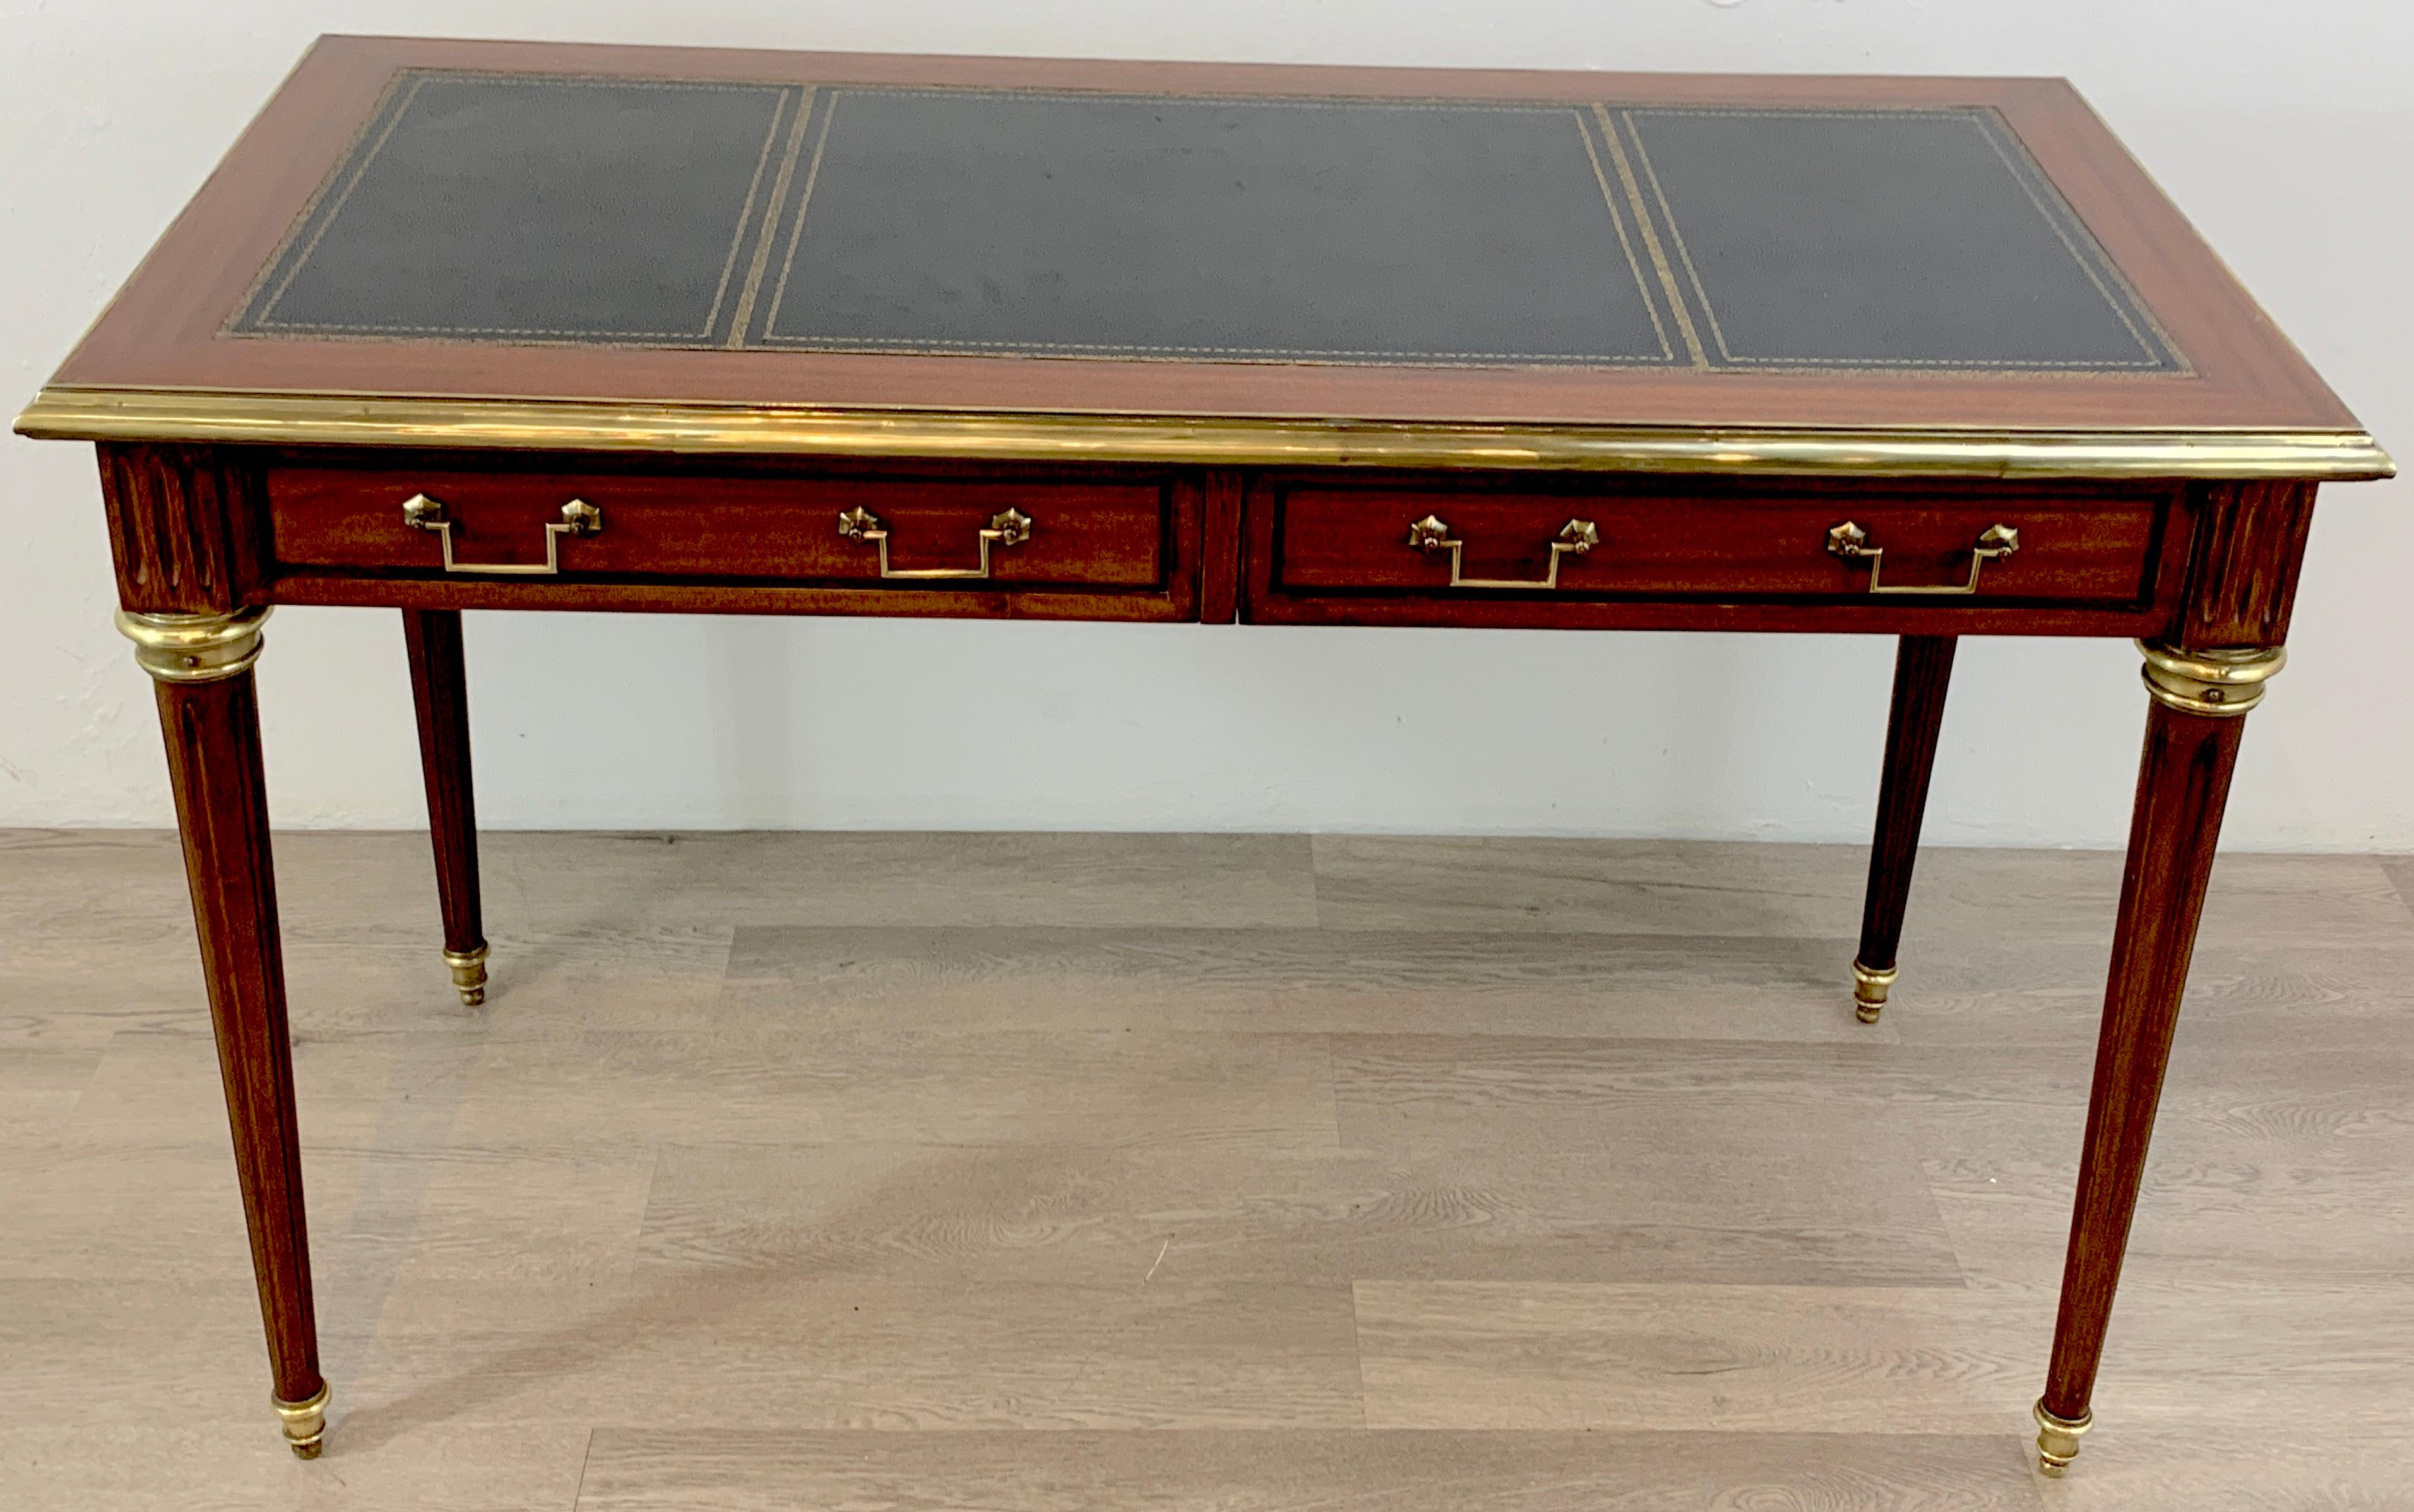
558	596
164	330
1679	554
738	537
1708	554
2203	566
185	526
2183	784
1219	582
213	736
1923	670
2243	582
1770	543
439	690
1098	536
2244	558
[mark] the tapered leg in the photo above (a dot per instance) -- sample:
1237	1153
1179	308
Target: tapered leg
1923	669
2192	734
439	688
210	716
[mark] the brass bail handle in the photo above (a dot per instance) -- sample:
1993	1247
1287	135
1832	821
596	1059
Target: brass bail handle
1011	527
578	517
1849	541
1577	538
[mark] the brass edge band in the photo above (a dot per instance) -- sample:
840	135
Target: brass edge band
69	414
2058	1437
194	648
306	1421
2222	684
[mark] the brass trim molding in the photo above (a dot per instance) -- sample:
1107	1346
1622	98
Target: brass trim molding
2221	683
2058	1438
306	1422
194	648
70	413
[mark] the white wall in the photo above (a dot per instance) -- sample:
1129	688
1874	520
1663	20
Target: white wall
2287	131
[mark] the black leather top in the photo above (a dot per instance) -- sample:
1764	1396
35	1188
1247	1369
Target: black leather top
544	208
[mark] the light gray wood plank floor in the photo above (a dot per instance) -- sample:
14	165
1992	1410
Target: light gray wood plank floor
1244	1172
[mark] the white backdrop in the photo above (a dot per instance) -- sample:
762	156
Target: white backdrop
2286	131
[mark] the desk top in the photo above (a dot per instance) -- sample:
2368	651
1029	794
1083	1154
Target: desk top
499	243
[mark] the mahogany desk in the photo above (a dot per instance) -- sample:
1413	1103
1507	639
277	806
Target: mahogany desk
498	326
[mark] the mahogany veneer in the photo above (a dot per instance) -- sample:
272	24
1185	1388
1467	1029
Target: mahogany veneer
1223	337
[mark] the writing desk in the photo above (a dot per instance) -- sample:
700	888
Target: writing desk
498	326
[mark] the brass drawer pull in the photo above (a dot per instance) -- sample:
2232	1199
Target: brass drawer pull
1849	540
1577	538
1012	528
578	517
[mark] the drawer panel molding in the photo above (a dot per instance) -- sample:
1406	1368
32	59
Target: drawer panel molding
2026	549
894	534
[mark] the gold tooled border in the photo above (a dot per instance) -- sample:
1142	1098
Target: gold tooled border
2166	357
253	317
74	413
768	338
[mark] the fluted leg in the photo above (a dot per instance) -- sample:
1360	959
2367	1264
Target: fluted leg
209	713
2192	734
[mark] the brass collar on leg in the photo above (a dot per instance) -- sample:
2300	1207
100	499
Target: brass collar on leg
306	1422
2216	682
2058	1438
194	648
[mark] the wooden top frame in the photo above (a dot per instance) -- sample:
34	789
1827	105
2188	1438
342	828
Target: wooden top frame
161	363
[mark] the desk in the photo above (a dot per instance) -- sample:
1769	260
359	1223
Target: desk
498	326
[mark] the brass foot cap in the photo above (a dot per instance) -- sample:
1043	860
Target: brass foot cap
306	1422
468	969
2058	1438
1869	989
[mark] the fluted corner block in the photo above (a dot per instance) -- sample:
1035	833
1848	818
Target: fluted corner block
2058	1438
2218	683
1869	989
468	969
194	648
306	1422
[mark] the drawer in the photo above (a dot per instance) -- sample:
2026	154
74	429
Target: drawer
1879	544
905	534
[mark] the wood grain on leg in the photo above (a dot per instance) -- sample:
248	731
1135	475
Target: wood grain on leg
439	688
1923	670
209	713
2192	735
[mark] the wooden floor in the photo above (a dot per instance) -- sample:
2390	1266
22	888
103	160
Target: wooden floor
1245	1173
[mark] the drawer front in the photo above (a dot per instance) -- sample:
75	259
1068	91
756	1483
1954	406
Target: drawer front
1898	548
930	534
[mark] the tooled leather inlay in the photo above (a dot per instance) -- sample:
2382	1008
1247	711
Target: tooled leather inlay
504	208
